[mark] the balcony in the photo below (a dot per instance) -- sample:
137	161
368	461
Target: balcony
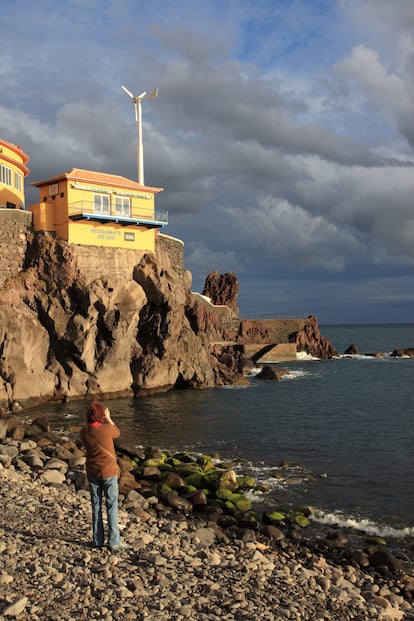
139	216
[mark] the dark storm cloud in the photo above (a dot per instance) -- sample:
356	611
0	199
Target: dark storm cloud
284	140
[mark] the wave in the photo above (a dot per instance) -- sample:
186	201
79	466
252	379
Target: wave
293	375
361	524
254	372
302	355
362	357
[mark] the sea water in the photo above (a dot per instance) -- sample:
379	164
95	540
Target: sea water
336	435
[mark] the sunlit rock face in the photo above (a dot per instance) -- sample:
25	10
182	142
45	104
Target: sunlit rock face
63	337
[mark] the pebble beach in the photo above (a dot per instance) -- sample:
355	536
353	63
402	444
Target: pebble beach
177	567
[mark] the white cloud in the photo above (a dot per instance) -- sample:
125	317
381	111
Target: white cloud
278	135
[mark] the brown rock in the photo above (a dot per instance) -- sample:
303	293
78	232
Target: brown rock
272	532
223	289
272	373
109	338
352	350
312	342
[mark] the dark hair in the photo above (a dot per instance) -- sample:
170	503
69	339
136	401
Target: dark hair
96	412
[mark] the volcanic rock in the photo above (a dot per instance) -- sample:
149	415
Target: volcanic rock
223	289
271	373
352	350
312	342
403	353
65	339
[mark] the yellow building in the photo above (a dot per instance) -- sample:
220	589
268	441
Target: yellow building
13	170
98	209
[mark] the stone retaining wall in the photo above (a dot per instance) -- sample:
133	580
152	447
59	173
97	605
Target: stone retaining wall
174	248
15	224
93	261
279	330
225	315
98	261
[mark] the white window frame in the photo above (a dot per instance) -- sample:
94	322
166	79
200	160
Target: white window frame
102	203
5	175
122	205
18	181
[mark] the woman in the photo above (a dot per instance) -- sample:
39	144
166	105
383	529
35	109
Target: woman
102	469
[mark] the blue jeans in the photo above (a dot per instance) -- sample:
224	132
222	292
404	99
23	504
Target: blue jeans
109	488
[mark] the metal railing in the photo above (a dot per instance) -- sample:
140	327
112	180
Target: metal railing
137	215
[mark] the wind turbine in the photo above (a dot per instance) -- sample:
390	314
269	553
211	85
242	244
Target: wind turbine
138	118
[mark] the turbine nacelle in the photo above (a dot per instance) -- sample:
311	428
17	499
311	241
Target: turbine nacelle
141	96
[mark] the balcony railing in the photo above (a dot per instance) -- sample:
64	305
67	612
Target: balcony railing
87	210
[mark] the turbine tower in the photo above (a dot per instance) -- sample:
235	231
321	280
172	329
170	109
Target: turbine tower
138	118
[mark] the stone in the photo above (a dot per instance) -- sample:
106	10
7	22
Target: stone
352	350
16	608
52	477
271	373
272	532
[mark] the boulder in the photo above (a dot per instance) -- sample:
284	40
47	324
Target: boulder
352	350
271	373
403	353
52	477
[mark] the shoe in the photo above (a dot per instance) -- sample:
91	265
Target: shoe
120	546
94	545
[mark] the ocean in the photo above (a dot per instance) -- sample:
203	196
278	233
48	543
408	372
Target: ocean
336	435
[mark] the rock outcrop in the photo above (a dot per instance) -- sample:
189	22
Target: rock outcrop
62	339
223	289
312	342
352	350
403	353
63	336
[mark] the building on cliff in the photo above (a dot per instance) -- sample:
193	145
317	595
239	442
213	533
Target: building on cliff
97	209
13	171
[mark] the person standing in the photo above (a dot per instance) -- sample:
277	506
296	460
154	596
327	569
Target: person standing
97	437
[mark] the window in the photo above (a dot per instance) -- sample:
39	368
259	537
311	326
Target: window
101	203
5	175
18	181
122	206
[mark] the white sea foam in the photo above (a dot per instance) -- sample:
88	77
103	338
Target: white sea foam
292	375
361	524
254	372
302	355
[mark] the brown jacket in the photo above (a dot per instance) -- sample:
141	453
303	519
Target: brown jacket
100	464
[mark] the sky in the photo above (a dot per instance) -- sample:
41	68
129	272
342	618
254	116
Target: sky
282	134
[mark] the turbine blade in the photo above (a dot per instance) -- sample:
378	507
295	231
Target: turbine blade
142	95
127	92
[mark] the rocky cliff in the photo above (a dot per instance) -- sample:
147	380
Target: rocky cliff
61	338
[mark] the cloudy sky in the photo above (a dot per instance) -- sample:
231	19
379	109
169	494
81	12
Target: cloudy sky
283	135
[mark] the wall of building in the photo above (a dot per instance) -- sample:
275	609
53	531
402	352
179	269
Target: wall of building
66	197
13	162
15	224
